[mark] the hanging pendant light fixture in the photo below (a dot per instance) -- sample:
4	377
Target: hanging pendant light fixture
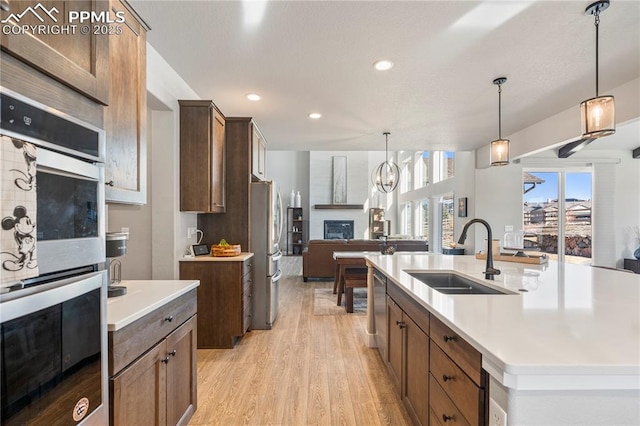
597	114
387	175
500	147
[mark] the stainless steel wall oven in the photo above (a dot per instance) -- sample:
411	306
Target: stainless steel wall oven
53	349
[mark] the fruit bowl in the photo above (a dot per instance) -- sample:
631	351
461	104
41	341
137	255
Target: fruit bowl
228	250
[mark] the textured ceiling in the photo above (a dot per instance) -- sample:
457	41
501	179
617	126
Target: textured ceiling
306	56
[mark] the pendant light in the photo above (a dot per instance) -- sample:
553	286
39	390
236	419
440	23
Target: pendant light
500	147
387	174
597	114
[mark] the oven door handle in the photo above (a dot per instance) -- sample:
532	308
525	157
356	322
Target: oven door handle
53	162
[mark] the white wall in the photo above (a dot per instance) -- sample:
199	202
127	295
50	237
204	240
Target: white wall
158	230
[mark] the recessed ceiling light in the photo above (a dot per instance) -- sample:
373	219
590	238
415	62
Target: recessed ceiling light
383	65
315	115
253	97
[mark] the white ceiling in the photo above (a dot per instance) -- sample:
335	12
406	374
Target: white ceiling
306	56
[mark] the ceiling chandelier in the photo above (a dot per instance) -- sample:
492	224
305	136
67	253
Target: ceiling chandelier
500	147
597	114
386	176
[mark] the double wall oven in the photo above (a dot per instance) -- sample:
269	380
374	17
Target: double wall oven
53	350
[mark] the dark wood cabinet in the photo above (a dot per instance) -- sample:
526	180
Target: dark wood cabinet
202	157
153	368
76	59
224	299
409	360
125	119
258	154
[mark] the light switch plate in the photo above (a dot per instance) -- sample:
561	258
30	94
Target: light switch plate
508	228
191	231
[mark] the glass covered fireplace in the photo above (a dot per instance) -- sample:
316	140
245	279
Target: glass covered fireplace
338	229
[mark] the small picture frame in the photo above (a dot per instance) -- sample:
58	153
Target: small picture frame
200	249
462	207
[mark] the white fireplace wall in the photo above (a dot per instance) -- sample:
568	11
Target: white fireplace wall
359	190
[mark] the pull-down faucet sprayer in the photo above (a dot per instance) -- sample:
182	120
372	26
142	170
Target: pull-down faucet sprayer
490	271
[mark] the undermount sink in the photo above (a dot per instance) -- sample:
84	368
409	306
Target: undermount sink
449	283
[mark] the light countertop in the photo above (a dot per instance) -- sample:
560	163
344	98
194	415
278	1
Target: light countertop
240	258
143	297
577	327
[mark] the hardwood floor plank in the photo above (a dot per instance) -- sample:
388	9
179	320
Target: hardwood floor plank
308	370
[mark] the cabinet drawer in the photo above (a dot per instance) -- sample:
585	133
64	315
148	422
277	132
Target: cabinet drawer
442	411
247	266
129	343
456	384
461	352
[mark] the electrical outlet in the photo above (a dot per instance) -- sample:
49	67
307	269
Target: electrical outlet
508	228
191	231
125	230
497	416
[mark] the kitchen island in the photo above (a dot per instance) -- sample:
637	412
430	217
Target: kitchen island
152	353
565	350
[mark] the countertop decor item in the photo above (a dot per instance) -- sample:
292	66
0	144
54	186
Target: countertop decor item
226	250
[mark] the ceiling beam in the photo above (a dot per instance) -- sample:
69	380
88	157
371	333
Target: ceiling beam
571	148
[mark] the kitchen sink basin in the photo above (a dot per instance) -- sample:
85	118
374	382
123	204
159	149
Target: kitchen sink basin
449	283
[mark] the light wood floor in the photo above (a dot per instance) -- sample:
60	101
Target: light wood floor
309	369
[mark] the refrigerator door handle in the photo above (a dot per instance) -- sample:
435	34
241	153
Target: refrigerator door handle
277	256
280	219
277	276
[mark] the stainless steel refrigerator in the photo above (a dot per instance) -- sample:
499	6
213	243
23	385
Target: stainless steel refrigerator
265	230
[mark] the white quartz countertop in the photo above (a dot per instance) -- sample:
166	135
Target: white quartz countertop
576	327
240	258
143	297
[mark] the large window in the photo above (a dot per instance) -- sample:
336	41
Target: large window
557	214
422	169
424	219
406	175
406	219
446	220
443	165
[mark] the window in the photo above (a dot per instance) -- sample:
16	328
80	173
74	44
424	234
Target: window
406	218
424	219
443	165
559	228
446	223
406	175
422	169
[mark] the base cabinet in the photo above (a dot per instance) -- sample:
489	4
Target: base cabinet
160	386
409	361
224	300
439	374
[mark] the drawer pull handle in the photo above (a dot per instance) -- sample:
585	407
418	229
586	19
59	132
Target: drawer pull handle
444	377
166	360
450	338
172	353
169	318
446	418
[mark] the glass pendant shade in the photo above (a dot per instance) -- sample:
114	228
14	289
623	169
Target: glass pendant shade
500	152
598	117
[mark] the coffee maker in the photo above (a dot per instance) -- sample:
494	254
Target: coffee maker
116	247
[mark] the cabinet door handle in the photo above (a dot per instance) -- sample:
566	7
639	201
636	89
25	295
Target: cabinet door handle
450	338
172	353
401	324
110	183
446	418
444	377
169	318
166	360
